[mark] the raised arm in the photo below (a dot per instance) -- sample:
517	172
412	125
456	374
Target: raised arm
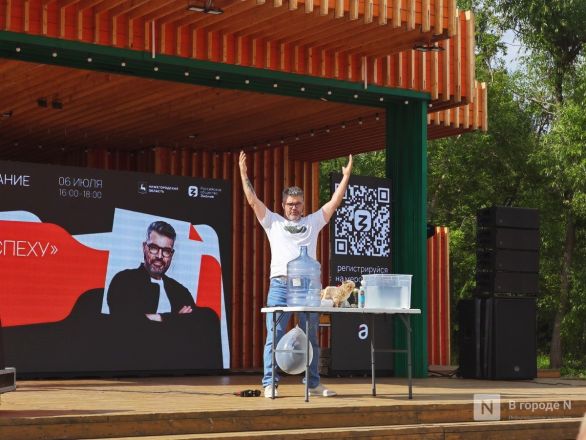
259	207
330	207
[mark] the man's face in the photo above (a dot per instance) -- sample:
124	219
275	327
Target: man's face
158	253
293	207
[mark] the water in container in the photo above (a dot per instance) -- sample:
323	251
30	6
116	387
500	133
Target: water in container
392	291
303	281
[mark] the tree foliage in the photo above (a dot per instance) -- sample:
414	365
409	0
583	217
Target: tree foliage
534	155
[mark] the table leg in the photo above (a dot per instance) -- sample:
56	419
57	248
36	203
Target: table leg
273	355
372	355
409	366
307	357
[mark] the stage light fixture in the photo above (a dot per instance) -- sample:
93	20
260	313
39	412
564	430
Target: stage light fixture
207	7
6	115
427	47
42	102
56	104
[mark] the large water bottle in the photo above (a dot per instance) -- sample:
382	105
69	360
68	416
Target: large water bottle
303	281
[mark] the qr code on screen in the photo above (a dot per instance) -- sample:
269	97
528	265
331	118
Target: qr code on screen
362	225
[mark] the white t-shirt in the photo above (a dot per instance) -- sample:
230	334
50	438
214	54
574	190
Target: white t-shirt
286	237
164	305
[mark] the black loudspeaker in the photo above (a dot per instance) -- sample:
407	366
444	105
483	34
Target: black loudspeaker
508	238
507	254
469	339
497	338
507	260
507	283
514	342
508	217
350	344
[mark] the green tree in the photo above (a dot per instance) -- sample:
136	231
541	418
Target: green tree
556	35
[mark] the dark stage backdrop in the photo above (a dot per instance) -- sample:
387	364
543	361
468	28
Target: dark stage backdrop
360	241
66	232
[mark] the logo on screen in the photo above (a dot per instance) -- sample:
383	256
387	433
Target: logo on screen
192	191
142	187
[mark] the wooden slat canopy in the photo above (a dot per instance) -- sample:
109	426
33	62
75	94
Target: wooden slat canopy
371	43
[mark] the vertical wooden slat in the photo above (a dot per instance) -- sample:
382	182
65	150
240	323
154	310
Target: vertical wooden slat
434	73
27	15
382	12
339	9
470	44
45	18
446	76
396	19
257	259
248	268
411	15
431	300
439	17
457	62
353	11
8	15
425	16
368	11
324	7
475	107
237	267
452	17
484	107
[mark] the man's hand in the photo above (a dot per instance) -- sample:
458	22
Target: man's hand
330	207
242	164
347	170
258	206
185	309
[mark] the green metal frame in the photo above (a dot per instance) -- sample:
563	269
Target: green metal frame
407	169
406	112
74	54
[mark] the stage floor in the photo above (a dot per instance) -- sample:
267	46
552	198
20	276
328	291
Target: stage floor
91	397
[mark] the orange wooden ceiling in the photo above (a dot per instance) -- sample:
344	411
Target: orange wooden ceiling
368	42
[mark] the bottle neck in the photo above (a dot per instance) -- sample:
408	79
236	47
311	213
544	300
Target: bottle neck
303	250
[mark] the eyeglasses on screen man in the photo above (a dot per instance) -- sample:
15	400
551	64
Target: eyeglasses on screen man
154	250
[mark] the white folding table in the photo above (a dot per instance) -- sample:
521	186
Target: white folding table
404	315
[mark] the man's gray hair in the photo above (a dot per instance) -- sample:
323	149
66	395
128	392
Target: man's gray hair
293	191
162	228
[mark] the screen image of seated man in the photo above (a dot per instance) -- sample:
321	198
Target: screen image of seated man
146	291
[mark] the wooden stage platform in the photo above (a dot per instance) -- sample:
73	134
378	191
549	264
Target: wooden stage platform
204	407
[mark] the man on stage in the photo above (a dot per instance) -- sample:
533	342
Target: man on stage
286	235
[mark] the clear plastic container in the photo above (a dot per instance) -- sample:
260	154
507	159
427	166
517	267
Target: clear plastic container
387	291
303	281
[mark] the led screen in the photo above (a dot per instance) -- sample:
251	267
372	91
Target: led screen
113	272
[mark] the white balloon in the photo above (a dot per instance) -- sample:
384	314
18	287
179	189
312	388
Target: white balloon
289	362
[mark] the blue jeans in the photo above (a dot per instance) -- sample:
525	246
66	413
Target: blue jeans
278	297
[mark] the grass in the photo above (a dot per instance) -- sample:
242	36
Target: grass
571	369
